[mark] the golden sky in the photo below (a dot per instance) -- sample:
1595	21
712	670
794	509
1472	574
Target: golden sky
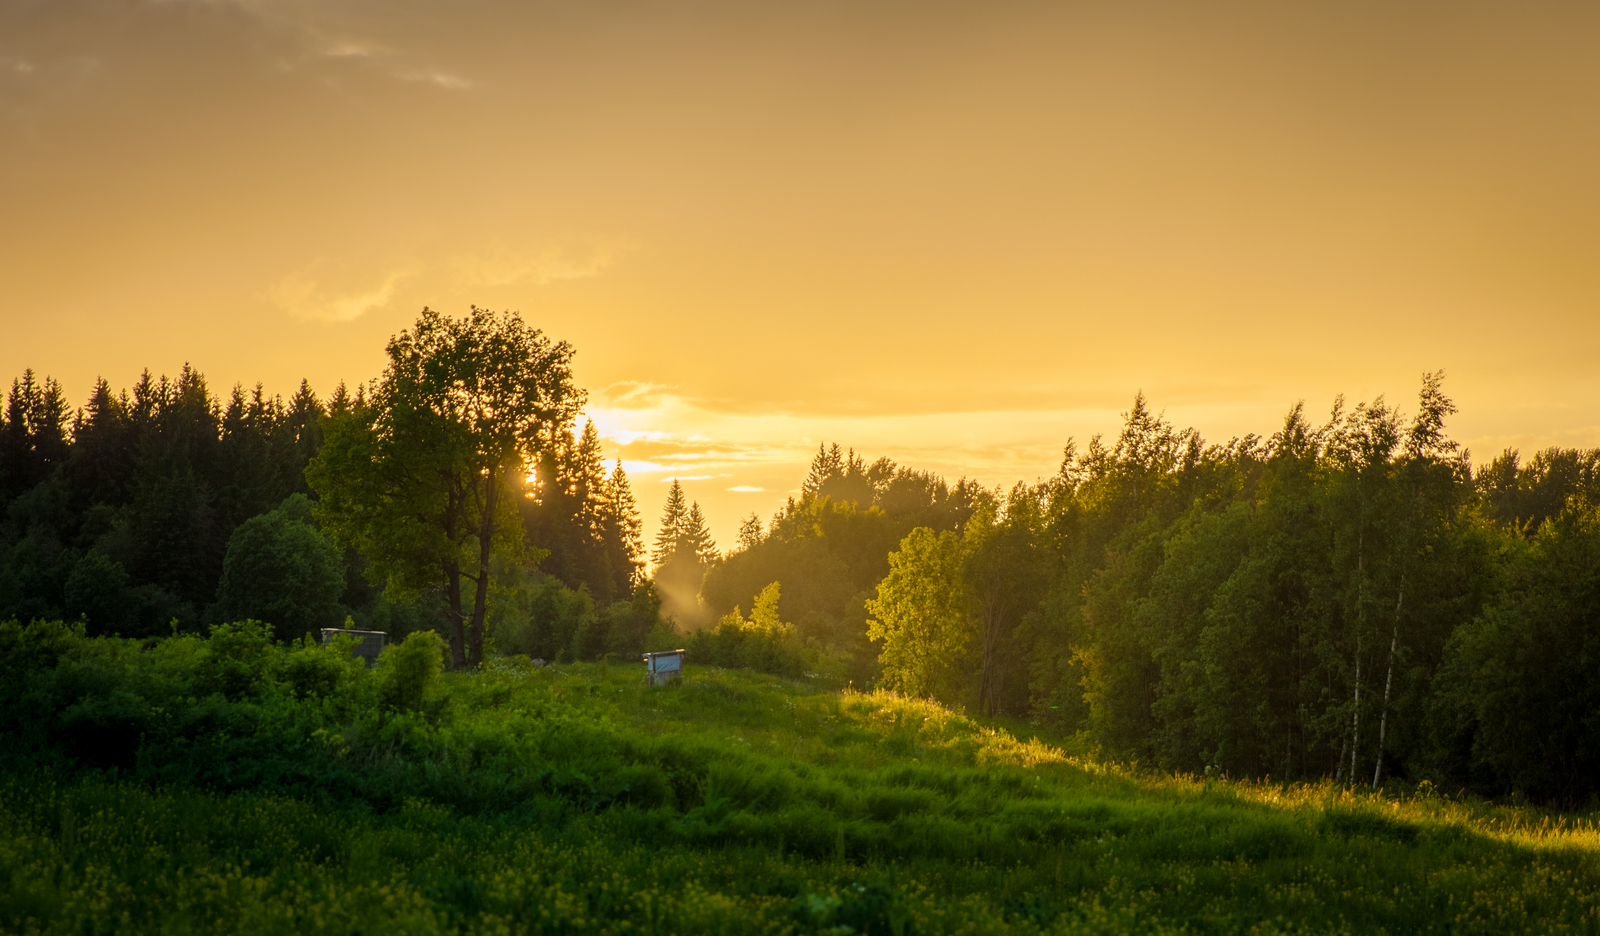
955	234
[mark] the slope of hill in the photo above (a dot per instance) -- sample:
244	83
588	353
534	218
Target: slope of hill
575	799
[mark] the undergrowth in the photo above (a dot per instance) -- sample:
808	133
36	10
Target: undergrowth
224	785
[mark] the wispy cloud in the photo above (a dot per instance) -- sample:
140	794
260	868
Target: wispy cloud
309	293
747	488
502	265
316	33
57	70
327	290
354	49
439	78
630	436
635	395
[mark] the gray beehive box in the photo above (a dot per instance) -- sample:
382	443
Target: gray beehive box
662	666
369	643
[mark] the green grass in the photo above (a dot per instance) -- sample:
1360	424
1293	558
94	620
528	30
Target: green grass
577	800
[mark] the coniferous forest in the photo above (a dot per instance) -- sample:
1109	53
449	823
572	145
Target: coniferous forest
1366	639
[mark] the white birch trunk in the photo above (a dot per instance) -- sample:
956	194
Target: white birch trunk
1355	716
1361	620
1388	680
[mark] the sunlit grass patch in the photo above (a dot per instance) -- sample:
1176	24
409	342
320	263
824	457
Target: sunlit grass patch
576	799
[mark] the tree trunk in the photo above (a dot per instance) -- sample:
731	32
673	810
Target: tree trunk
1355	715
452	594
1388	680
986	677
452	582
989	685
480	598
1361	621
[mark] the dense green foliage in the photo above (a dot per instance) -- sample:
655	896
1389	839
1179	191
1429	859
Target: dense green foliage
538	616
123	512
1350	600
165	505
578	800
830	549
279	567
1516	704
766	643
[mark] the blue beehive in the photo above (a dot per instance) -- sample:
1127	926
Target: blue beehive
662	666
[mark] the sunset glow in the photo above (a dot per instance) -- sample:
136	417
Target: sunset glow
952	235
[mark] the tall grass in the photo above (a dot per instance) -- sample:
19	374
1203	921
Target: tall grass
576	799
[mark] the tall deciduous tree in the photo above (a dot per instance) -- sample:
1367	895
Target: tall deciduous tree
920	616
1003	575
421	478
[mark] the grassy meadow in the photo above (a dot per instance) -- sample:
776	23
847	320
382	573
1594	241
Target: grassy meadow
575	799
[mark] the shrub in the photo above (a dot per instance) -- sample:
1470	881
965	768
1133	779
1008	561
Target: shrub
236	659
762	642
313	671
408	672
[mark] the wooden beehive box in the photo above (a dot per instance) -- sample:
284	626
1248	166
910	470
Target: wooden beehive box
369	645
662	666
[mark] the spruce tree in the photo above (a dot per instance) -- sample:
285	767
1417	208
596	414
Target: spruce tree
178	532
299	438
34	434
695	537
673	519
826	465
586	479
250	482
849	482
103	439
624	541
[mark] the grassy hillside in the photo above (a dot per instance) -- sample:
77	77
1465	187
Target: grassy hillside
577	800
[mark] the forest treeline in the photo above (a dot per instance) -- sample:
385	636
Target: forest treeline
163	507
1349	597
1352	599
